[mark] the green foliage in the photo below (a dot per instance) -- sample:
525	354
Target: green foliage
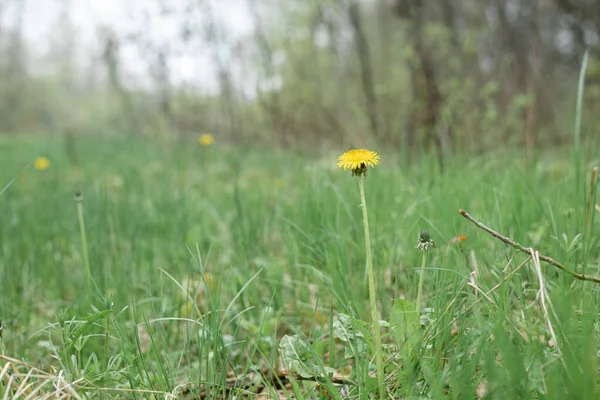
300	358
355	335
405	323
204	259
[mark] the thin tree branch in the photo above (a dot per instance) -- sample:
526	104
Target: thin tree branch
509	241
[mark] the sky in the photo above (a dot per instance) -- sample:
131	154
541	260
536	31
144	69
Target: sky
192	64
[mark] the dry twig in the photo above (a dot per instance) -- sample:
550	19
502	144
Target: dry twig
509	241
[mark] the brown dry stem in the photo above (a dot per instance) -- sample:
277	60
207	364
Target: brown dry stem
509	241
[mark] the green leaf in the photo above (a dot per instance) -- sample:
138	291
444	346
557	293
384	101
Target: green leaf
356	349
405	325
342	327
352	331
299	357
88	321
85	325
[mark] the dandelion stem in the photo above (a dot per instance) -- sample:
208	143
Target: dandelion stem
86	259
420	289
106	336
372	293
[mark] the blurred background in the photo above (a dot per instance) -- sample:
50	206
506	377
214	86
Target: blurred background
445	75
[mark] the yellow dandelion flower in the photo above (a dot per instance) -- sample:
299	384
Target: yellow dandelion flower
358	161
41	163
206	139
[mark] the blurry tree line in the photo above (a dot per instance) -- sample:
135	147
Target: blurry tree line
447	75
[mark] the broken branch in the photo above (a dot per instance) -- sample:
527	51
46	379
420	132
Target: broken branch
509	241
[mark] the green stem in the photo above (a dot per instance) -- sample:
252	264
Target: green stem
420	289
372	293
579	108
578	153
106	336
86	259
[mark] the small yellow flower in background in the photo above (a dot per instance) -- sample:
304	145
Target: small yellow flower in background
458	239
193	298
358	161
113	181
279	183
41	163
206	139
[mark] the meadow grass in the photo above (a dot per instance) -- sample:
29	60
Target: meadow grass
204	258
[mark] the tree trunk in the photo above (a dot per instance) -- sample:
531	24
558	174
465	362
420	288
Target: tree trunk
270	101
428	89
366	72
111	59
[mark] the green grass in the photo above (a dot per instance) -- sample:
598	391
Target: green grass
275	242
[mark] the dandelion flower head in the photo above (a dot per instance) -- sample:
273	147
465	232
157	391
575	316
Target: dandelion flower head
41	163
358	161
425	241
206	139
